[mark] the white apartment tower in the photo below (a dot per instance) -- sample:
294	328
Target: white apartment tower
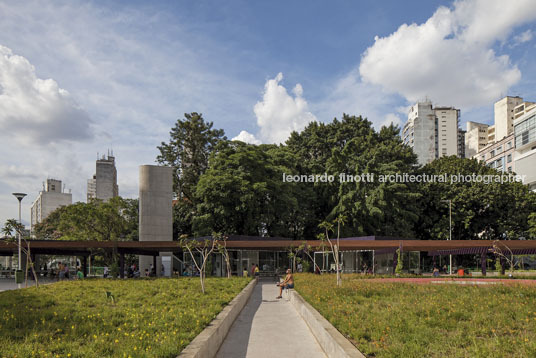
48	200
476	138
504	116
525	145
433	132
103	185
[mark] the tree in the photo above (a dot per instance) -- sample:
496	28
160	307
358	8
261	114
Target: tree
532	226
503	252
204	248
11	230
399	264
328	227
222	249
352	147
113	220
191	142
243	192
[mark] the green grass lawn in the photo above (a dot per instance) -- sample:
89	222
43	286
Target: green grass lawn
412	320
150	317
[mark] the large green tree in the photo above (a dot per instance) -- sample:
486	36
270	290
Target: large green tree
191	142
351	146
113	220
242	192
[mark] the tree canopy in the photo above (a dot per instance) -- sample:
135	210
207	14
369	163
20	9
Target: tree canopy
239	188
113	220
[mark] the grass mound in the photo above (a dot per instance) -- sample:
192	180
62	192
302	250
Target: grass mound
413	320
146	318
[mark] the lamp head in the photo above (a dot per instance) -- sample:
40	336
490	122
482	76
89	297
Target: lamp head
19	196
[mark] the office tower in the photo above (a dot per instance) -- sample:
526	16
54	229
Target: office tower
103	185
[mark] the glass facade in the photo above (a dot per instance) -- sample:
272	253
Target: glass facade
525	132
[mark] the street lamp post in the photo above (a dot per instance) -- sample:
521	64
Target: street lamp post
19	197
450	231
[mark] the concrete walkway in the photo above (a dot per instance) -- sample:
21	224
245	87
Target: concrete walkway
268	327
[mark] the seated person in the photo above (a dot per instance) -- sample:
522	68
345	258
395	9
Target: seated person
287	283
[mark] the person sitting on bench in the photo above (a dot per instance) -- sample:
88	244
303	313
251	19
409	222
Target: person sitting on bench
287	283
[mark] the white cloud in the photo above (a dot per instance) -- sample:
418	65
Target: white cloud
450	58
523	37
120	64
279	113
392	118
34	110
246	137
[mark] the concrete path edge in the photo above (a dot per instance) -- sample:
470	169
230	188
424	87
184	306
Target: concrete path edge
334	344
208	342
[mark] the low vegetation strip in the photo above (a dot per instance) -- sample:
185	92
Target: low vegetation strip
393	319
137	318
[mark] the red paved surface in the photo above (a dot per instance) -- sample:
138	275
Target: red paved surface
429	280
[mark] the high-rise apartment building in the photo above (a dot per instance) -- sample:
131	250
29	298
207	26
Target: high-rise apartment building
432	132
525	146
511	140
504	116
476	138
103	185
461	143
48	200
499	154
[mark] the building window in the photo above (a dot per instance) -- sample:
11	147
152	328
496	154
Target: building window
524	137
509	169
509	145
492	154
509	158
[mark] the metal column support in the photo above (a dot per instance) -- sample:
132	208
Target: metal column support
483	264
154	267
84	265
122	265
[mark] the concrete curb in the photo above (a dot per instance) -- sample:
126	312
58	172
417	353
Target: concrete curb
334	344
208	342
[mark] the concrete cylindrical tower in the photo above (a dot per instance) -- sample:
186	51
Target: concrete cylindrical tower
156	222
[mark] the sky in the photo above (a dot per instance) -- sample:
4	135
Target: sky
79	78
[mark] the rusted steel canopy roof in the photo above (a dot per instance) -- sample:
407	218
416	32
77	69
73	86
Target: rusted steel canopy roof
154	247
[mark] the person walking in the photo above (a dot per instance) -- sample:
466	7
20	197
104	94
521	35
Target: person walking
66	269
61	272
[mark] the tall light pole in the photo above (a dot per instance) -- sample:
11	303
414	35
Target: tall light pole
19	197
450	231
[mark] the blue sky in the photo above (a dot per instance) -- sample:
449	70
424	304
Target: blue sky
79	77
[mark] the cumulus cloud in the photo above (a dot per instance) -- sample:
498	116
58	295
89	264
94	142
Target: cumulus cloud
450	57
245	136
523	37
35	110
279	113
